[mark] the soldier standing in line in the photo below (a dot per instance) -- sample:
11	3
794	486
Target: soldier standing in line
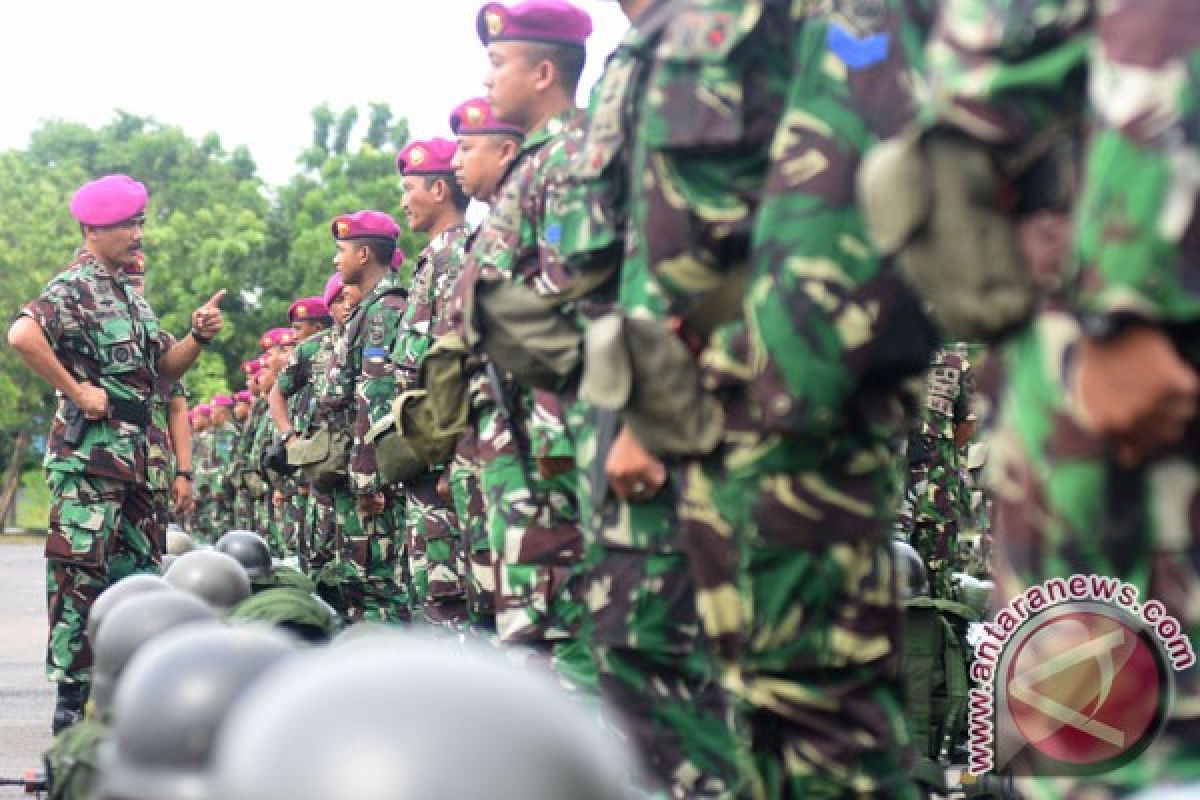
935	469
201	444
434	204
536	50
243	514
222	440
1094	466
271	521
654	666
371	570
486	150
292	401
100	345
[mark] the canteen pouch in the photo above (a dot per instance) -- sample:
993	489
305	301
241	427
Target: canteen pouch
943	208
643	369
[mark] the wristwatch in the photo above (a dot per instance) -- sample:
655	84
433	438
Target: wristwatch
200	338
185	473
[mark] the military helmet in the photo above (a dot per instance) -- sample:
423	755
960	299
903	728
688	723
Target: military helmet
137	620
910	568
215	578
171	702
107	600
250	550
301	613
179	541
407	712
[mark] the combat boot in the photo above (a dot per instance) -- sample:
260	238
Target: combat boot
68	707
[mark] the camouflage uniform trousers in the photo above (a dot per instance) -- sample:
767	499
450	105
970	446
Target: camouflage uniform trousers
1063	507
300	502
322	522
470	513
291	516
368	580
796	588
937	491
220	514
435	556
100	531
202	529
268	522
643	632
538	599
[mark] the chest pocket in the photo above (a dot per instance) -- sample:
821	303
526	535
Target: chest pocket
698	92
117	347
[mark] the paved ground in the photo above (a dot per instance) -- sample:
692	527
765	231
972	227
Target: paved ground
26	699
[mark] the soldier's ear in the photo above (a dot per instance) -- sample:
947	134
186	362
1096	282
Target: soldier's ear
509	147
545	75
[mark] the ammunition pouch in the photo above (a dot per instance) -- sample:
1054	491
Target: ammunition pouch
535	337
643	369
942	207
445	409
323	457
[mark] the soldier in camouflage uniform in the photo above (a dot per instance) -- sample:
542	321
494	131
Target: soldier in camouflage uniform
528	474
201	444
787	523
219	457
268	500
935	481
645	636
370	571
293	402
243	503
1095	465
97	341
486	150
434	204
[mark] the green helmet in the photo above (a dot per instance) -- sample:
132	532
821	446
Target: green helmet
171	702
250	550
397	719
911	576
215	578
138	583
179	541
299	612
137	620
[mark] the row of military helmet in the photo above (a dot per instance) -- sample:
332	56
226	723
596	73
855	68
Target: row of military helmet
210	685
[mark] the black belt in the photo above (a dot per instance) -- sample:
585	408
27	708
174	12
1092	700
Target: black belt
134	412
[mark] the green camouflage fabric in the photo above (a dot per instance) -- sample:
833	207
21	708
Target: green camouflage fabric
534	530
644	634
101	531
300	380
160	451
320	519
367	577
72	765
201	449
103	524
211	468
1003	71
437	561
267	517
800	495
470	517
378	322
938	493
246	496
106	334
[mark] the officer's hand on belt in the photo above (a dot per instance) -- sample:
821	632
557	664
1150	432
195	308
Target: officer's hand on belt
92	401
634	474
207	318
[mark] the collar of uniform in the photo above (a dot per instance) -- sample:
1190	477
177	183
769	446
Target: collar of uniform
553	127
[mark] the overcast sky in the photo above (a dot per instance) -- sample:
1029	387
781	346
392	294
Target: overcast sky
251	70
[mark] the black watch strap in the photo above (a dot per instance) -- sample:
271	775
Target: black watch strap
200	338
185	473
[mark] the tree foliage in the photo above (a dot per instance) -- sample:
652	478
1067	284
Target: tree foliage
212	224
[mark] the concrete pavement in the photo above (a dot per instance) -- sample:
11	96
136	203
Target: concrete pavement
26	699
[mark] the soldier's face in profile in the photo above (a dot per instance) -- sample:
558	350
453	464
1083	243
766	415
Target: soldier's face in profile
511	80
117	245
306	327
220	415
351	259
418	202
241	411
480	162
200	423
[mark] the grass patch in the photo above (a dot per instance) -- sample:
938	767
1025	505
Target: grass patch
33	503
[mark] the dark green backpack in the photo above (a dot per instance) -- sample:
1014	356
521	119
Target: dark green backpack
71	762
935	676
